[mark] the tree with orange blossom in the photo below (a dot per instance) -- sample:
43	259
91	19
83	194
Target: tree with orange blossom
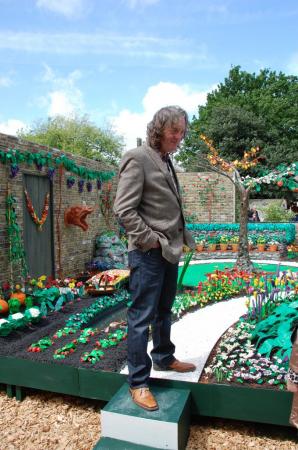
285	175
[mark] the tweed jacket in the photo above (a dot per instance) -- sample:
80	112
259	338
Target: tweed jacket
148	204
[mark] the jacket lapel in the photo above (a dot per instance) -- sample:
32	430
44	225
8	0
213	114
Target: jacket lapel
163	168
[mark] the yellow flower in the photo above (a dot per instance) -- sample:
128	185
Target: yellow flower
42	277
39	284
18	286
71	285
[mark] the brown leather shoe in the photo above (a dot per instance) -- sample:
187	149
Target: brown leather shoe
143	398
177	366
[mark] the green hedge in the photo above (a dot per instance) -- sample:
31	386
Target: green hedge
288	230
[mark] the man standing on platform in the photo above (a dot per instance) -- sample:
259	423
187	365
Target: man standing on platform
148	204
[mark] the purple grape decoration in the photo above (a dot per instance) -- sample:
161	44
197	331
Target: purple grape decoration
14	169
81	185
51	173
70	182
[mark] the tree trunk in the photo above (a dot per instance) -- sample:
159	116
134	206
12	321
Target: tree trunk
243	259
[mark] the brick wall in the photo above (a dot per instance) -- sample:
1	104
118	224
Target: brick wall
76	244
207	197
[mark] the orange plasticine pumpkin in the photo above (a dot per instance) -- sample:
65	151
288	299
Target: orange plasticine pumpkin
20	296
3	306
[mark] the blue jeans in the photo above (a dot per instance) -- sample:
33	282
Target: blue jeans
153	282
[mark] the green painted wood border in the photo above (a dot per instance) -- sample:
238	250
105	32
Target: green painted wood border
98	384
233	402
37	375
214	400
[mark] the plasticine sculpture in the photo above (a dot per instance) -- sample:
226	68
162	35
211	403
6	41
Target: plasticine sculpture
76	215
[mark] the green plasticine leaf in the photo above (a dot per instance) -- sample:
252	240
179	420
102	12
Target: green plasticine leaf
266	347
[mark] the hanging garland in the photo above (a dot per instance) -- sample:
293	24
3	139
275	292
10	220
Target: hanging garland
15	157
39	222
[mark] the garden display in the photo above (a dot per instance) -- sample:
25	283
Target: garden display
58	320
66	334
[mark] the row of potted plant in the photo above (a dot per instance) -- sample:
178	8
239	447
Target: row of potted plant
225	240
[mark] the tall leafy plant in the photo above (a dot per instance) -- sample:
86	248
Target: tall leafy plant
187	258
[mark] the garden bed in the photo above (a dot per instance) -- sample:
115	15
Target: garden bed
72	374
18	342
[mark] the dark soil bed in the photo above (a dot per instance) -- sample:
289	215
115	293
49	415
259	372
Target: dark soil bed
18	342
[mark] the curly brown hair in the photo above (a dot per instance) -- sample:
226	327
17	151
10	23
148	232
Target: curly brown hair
169	115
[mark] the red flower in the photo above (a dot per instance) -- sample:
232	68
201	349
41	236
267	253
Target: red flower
200	287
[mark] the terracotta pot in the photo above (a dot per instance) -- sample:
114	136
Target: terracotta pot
223	247
212	247
235	247
199	247
261	247
272	248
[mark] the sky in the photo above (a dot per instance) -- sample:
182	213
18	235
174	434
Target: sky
119	61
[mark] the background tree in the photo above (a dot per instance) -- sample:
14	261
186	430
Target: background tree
283	175
76	135
248	110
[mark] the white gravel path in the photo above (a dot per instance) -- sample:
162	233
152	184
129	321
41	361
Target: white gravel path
195	335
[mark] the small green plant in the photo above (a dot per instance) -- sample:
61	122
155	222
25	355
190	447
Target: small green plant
224	239
273	242
261	240
252	239
234	239
200	239
211	240
28	302
276	213
14	305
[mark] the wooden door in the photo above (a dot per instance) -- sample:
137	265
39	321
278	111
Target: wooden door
39	245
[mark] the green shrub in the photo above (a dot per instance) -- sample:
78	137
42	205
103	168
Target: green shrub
276	213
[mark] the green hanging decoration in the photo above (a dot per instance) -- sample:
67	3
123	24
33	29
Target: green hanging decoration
16	247
41	159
